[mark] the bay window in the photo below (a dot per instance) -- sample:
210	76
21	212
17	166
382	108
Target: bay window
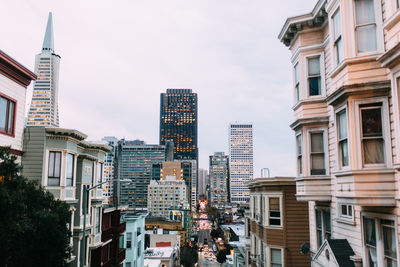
380	241
297	82
337	35
54	169
314	76
70	170
323	225
99	172
299	154
342	138
98	219
365	26
273	210
7	115
317	153
372	134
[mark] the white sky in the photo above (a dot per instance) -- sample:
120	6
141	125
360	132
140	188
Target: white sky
118	56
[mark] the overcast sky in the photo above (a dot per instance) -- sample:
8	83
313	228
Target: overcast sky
118	56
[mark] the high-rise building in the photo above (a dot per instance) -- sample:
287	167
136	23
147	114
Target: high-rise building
240	160
178	122
44	106
134	161
202	182
219	178
108	168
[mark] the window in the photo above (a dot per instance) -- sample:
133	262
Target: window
128	240
314	76
296	83
380	242
323	221
342	138
346	211
7	115
128	264
139	248
276	257
274	211
317	154
337	35
54	168
261	207
372	134
98	219
365	26
70	170
99	172
299	154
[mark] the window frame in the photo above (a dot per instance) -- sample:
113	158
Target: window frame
396	109
345	217
269	255
299	154
385	133
296	81
73	170
338	38
267	197
99	173
378	217
48	167
324	131
321	56
340	166
14	117
323	226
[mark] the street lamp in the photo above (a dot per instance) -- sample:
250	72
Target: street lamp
87	189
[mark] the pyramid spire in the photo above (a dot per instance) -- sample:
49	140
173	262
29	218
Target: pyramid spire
48	42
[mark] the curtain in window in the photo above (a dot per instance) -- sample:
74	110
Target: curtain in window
365	25
373	144
370	240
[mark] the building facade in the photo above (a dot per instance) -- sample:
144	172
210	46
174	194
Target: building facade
14	79
164	194
134	161
345	57
134	239
108	168
44	106
202	183
65	165
240	160
219	178
279	224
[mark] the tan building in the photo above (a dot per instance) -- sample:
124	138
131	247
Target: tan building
278	223
156	223
346	70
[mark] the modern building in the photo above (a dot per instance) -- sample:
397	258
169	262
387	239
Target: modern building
202	182
178	122
345	57
44	106
134	239
110	253
66	165
164	194
240	160
108	168
279	224
219	178
134	161
166	226
14	79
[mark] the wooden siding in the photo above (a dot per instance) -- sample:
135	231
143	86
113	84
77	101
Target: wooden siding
34	153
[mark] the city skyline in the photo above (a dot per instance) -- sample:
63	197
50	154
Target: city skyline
239	74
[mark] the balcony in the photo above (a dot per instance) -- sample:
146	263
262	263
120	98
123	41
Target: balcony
107	234
121	256
369	187
313	188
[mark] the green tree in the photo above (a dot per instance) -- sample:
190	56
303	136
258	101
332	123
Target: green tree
33	225
221	256
189	256
213	213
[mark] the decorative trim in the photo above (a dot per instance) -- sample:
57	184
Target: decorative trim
299	123
15	71
390	58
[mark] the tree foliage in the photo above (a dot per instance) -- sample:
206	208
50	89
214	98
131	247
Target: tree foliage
189	256
213	213
221	256
33	225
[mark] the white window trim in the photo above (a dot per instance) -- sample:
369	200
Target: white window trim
321	208
336	9
379	31
345	218
74	169
62	167
299	133
396	110
305	94
339	166
379	239
295	100
269	254
385	133
266	202
324	131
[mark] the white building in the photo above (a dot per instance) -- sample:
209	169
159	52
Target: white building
44	105
165	194
240	160
14	78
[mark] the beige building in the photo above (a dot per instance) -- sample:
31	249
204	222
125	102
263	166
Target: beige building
346	70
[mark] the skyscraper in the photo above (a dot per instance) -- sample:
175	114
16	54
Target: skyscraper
108	168
178	122
202	182
219	177
134	161
44	105
240	160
